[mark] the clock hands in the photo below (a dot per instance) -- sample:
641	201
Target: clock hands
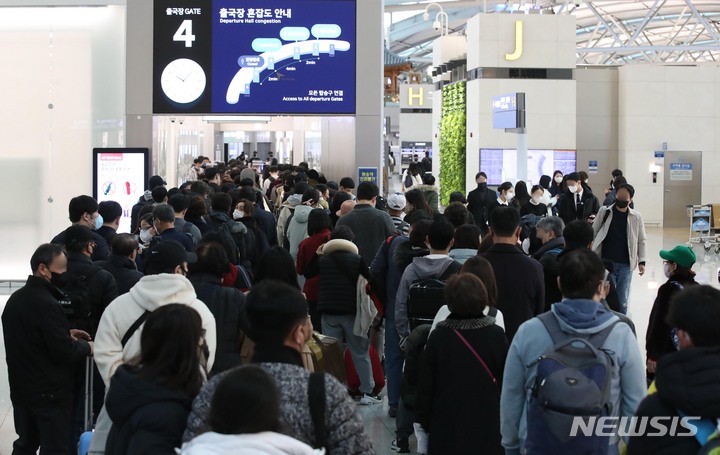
184	79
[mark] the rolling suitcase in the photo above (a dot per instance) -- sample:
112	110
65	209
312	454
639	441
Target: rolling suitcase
324	353
353	380
86	437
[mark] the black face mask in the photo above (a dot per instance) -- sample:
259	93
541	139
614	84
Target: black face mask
58	279
482	185
621	204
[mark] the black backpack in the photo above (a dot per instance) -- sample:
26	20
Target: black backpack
426	297
76	295
228	242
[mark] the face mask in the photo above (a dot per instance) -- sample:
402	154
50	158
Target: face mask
526	246
238	214
482	185
145	236
621	204
536	199
58	279
573	189
509	196
558	179
667	270
99	222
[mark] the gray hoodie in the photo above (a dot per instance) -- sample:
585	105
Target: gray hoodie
297	230
430	266
583	317
287	208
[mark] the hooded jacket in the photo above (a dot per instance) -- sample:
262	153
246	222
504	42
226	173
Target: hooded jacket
583	318
462	254
431	266
124	270
297	230
659	336
147	417
266	443
150	293
687	380
339	268
286	209
431	196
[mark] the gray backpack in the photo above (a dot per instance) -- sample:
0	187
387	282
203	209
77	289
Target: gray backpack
573	381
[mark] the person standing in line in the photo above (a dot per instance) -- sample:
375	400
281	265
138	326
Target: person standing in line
395	206
479	202
42	354
576	203
620	238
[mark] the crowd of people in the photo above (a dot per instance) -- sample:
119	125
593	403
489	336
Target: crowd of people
501	317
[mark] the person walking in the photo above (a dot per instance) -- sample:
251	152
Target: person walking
620	238
479	201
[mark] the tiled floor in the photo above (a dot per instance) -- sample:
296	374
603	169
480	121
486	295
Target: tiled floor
380	427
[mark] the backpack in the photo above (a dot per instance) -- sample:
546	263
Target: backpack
286	240
426	296
76	295
408	180
572	381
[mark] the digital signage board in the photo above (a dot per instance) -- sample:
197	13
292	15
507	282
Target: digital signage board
254	57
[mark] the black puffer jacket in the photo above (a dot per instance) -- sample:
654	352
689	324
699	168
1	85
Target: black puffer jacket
147	418
658	340
687	380
339	268
228	307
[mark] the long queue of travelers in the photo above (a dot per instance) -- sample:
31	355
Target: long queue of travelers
498	323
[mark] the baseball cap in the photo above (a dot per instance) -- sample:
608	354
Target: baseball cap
156	180
681	255
396	201
78	234
168	254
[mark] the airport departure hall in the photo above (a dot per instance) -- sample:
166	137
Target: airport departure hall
360	227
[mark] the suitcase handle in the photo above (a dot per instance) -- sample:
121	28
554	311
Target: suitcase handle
89	376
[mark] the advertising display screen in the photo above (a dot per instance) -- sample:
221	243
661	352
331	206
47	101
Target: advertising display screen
255	56
500	165
120	175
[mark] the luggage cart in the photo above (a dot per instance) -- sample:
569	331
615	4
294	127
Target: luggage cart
701	228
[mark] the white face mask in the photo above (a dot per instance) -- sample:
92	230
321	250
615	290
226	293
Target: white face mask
536	199
558	179
145	236
668	272
509	196
238	214
573	189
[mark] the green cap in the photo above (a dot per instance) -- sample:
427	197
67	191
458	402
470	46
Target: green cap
681	255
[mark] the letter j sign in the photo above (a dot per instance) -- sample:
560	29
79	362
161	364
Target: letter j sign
518	43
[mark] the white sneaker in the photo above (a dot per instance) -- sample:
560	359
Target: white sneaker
370	399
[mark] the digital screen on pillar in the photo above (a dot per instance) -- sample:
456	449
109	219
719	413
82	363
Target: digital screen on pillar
120	175
254	57
500	165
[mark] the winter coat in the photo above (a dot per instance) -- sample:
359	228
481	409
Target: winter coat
451	374
686	381
306	251
297	228
414	352
431	196
102	289
635	233
256	243
41	356
147	417
286	210
479	201
123	269
431	266
199	223
338	269
444	313
150	293
567	210
582	317
371	228
658	339
344	432
556	244
228	307
186	227
266	443
520	285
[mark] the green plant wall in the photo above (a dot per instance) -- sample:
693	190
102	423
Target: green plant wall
453	130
